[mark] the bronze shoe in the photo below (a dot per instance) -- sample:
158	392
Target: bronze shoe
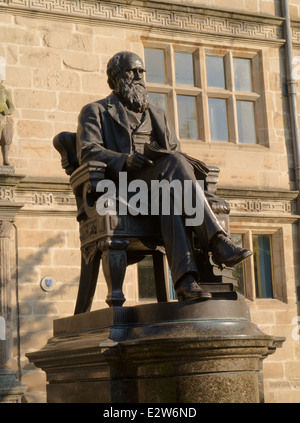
227	253
188	290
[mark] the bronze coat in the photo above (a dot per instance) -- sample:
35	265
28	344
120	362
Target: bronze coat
104	133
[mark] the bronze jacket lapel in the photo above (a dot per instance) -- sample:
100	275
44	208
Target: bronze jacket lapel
121	125
166	136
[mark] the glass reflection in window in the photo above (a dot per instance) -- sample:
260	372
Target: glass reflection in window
215	72
159	101
155	65
246	122
218	119
242	74
263	266
187	117
184	68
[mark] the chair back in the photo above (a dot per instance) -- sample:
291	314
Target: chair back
65	144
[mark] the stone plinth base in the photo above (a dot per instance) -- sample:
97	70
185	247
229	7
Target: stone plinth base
173	352
11	390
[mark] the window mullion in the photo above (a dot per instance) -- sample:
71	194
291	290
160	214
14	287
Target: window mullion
205	131
206	126
229	71
257	65
171	80
169	65
174	110
231	105
198	60
232	119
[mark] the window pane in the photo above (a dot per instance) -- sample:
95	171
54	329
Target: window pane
187	118
159	101
262	266
155	65
239	270
218	119
242	74
146	279
184	69
246	122
171	287
215	72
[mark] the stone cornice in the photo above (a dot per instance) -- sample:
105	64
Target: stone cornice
46	196
258	193
49	196
268	205
162	16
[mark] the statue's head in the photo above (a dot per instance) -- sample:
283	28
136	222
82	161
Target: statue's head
125	72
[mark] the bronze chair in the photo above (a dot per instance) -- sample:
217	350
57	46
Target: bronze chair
122	240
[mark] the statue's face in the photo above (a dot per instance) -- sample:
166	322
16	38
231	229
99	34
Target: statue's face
130	84
133	69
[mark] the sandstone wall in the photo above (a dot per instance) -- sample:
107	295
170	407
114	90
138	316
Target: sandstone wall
55	64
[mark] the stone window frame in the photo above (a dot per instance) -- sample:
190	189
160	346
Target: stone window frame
201	92
277	262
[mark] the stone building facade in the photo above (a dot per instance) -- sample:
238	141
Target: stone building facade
54	53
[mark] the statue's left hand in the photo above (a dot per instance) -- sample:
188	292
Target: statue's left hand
137	161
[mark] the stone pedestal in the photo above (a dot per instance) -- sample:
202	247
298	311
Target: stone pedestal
188	352
11	390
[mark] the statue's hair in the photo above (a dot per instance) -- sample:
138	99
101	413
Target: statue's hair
114	67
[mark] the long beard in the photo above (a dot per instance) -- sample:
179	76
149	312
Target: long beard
135	96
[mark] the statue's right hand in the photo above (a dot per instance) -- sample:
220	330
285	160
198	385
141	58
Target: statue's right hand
137	161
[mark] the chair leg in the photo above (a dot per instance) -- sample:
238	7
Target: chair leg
87	284
114	262
161	276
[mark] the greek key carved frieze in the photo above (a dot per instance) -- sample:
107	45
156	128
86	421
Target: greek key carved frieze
170	17
296	35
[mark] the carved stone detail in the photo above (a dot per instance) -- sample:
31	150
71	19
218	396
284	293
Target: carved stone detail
7	193
260	206
157	15
43	199
296	35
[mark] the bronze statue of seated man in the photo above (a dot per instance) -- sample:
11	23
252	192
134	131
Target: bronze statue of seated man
129	135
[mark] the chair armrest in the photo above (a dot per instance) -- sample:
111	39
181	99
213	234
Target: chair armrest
212	179
91	172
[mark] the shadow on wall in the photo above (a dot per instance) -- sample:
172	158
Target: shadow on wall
34	309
